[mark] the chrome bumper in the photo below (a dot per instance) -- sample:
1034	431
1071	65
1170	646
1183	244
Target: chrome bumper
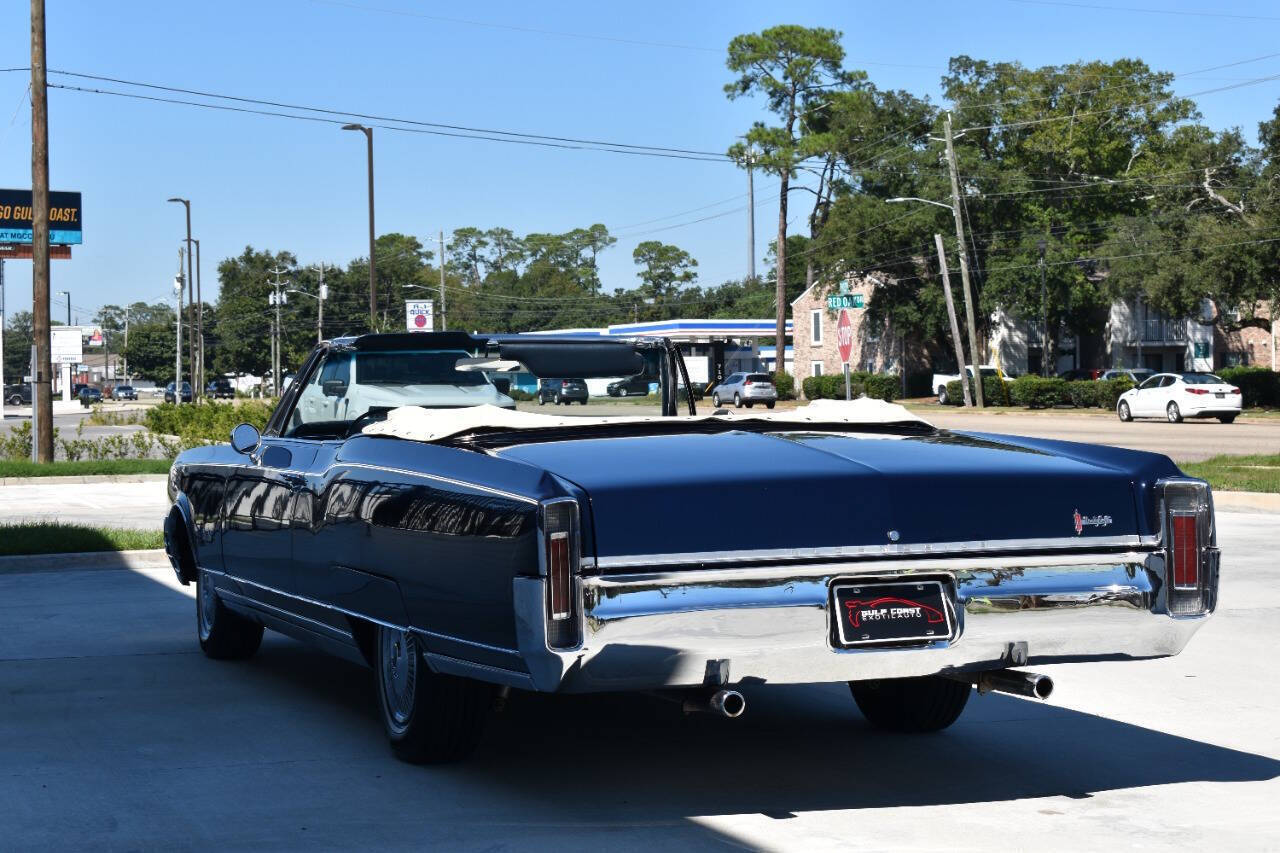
772	625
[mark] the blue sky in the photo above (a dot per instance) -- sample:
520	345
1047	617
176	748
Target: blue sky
280	184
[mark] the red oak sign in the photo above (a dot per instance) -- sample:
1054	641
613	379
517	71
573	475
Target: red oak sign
844	335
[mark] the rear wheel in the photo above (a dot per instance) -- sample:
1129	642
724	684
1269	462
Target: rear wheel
737	400
768	405
15	400
942	396
1226	419
428	718
927	704
715	400
1123	412
224	635
1173	413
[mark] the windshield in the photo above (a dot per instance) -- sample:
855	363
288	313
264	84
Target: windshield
1201	379
350	388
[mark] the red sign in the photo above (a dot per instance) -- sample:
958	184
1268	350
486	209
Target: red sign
844	335
22	252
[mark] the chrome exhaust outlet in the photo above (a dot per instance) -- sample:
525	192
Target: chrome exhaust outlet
726	703
1010	681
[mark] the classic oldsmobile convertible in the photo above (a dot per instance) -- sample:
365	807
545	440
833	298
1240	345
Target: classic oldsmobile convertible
464	550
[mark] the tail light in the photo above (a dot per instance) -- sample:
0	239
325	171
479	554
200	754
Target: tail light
1190	554
560	546
748	382
1234	391
1197	391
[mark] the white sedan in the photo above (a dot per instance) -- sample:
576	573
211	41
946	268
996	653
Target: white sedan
1175	396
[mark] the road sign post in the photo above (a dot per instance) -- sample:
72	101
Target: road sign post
844	337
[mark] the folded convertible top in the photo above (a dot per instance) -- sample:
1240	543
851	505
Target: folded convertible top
422	424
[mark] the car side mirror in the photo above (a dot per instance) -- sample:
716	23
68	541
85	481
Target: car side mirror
503	385
333	388
245	438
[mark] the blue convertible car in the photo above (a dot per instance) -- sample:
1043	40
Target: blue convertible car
399	511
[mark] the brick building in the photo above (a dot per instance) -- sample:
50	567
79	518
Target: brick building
815	349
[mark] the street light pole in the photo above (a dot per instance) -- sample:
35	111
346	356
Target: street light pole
373	286
969	296
751	216
191	356
1044	315
199	365
177	324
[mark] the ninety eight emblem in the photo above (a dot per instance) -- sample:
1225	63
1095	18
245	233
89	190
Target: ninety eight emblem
1083	521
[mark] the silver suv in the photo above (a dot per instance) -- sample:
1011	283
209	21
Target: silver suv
748	388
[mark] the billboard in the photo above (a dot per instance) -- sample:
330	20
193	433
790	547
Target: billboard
64	217
419	315
65	345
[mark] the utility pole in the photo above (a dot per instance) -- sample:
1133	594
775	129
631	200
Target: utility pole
277	299
1	341
42	400
323	293
444	321
373	279
951	315
199	367
126	346
177	324
1045	361
964	270
191	298
751	215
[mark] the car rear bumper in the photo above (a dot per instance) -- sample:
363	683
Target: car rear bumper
772	625
1210	409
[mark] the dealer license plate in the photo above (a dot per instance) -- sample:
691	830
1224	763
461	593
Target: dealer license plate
906	612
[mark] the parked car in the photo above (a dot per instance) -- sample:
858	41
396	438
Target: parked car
632	386
1137	375
1174	396
465	553
186	393
1081	374
940	380
18	395
746	389
221	389
565	391
89	395
124	392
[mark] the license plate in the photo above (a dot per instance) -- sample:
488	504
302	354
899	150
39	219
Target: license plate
904	612
1221	395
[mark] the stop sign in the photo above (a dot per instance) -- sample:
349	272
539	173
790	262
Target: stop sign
844	335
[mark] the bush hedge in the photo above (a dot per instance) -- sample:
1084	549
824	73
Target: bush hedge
878	386
1038	392
785	384
207	421
995	392
1259	386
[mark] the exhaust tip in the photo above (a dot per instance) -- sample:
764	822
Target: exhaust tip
730	703
1043	687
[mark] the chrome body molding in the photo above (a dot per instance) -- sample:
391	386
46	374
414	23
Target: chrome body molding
893	549
772	625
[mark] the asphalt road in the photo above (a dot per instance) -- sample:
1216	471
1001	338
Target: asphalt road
140	506
116	733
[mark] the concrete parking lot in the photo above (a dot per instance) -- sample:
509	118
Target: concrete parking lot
116	733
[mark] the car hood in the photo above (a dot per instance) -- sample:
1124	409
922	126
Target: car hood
699	499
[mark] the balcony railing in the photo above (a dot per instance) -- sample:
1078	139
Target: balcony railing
1157	329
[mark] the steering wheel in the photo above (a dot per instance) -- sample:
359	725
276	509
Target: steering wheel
369	417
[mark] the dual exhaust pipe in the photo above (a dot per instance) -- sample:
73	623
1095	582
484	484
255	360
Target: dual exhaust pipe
1010	681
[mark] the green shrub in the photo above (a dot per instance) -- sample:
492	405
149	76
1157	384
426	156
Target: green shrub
1039	392
955	393
995	392
1258	385
521	396
1084	393
785	384
206	421
1109	391
878	386
919	384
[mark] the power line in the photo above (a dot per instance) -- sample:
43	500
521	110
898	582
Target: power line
1180	12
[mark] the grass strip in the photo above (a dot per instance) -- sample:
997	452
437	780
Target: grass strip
54	537
84	467
1257	473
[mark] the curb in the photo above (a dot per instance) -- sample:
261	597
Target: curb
85	562
83	479
1246	501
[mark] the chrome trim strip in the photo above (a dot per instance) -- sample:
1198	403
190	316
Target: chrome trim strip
801	570
436	477
452	639
891	550
482	672
287	614
344	611
402	471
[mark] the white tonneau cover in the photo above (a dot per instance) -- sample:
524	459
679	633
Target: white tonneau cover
419	424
